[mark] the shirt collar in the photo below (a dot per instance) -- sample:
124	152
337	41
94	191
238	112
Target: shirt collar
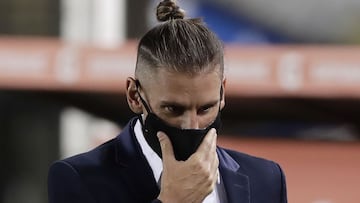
153	159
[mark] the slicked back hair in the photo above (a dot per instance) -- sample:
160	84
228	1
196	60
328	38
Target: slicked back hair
180	45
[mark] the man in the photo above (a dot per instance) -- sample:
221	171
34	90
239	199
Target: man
168	153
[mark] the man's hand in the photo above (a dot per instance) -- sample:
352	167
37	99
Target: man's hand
191	180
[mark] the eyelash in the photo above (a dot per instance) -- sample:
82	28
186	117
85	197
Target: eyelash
179	111
204	109
173	110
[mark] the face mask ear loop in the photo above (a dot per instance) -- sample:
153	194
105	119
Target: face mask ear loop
137	83
221	97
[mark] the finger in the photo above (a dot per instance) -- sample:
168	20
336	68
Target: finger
216	179
166	147
214	144
209	142
214	165
215	171
212	159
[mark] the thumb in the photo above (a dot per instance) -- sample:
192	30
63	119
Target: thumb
166	147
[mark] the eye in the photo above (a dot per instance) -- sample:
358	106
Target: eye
205	109
174	110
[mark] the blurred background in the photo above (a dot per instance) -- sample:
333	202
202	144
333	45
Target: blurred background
292	95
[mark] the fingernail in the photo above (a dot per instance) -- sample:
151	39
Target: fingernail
160	135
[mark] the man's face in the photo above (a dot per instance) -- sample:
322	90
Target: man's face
183	101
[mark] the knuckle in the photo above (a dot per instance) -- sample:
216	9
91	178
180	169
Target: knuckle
209	180
209	187
216	162
196	167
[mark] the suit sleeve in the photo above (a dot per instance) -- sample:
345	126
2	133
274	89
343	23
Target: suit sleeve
65	185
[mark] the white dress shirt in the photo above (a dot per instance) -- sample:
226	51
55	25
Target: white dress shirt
155	163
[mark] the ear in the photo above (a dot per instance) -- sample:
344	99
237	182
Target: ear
132	96
222	102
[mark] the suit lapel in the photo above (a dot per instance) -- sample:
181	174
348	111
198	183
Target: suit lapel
236	184
134	168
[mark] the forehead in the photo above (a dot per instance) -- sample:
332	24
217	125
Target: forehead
183	88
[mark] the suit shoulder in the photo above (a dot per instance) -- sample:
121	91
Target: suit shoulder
95	157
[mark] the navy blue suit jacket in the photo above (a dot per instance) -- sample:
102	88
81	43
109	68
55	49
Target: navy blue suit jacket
117	172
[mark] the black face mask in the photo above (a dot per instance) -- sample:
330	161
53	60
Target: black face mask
184	141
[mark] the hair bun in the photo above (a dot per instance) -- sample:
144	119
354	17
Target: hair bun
167	9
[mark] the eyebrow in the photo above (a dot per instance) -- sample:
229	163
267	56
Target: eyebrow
172	103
